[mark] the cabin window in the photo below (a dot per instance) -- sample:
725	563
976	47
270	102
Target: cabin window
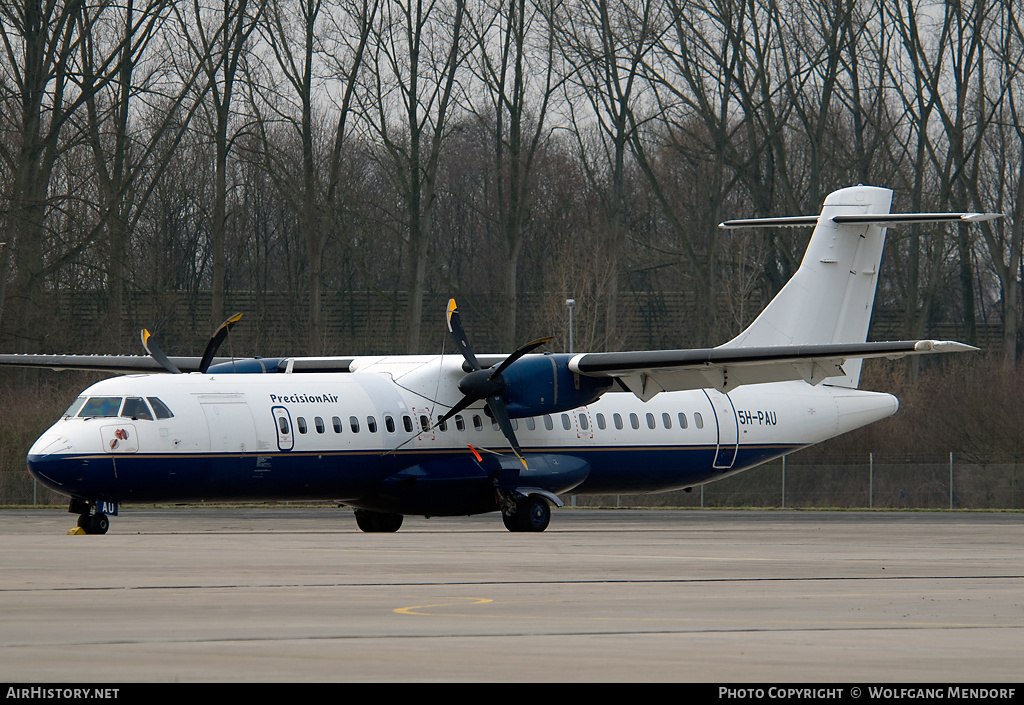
371	424
682	420
336	421
301	423
698	420
531	423
135	408
407	422
353	423
634	421
424	422
618	421
548	423
566	422
282	423
478	423
496	426
650	421
75	406
583	422
159	408
666	419
100	406
319	422
600	422
389	424
442	424
460	423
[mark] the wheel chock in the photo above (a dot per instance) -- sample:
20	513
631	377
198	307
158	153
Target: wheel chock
75	531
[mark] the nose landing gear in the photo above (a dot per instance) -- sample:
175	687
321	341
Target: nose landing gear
92	517
94	523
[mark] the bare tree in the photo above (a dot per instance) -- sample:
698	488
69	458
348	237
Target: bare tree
41	41
516	66
947	61
218	39
313	184
129	155
418	49
607	43
1002	183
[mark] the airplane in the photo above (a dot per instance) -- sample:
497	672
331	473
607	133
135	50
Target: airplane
464	434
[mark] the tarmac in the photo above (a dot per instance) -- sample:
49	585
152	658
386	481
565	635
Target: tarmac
286	594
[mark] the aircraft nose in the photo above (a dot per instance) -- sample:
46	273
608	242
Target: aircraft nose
47	461
50	443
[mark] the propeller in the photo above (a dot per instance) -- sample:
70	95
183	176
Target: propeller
211	348
215	340
487	383
156	353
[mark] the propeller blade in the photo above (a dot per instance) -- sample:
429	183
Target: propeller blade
156	353
216	340
529	347
500	413
463	403
459	335
487	384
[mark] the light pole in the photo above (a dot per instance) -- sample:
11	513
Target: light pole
570	303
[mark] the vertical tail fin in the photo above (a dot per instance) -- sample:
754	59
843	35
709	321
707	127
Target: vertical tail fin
829	299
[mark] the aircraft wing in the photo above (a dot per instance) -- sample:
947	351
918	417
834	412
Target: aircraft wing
120	364
144	364
725	368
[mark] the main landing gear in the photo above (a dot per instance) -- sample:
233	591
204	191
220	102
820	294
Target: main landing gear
378	522
532	513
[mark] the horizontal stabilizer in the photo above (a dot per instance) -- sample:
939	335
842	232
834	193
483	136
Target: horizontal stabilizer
886	220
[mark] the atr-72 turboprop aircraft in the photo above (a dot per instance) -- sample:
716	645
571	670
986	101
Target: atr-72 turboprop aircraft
447	435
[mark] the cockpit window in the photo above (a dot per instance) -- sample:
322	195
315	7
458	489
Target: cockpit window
100	406
160	409
75	406
135	408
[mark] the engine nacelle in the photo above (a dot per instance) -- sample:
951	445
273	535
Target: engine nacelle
543	384
256	365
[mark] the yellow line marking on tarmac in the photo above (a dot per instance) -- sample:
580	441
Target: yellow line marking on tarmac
416	608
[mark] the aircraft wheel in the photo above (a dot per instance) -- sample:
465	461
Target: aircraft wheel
364	520
96	524
511	521
389	523
533	514
378	522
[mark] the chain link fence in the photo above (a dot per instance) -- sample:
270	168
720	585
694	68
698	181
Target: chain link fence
869	482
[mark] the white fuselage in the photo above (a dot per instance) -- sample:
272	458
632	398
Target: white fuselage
338	436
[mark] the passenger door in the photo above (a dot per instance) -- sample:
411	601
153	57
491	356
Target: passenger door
728	428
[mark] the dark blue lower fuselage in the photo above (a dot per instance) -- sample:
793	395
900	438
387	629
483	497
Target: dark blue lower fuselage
448	482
